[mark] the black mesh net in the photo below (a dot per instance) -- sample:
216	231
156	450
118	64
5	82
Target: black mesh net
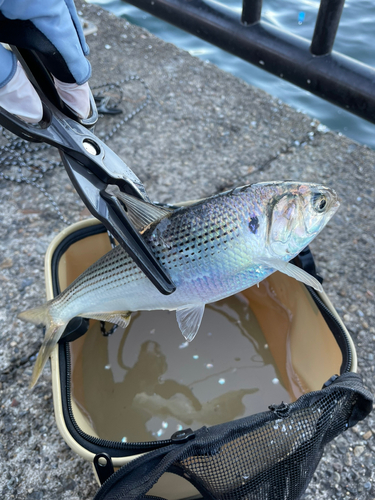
268	456
275	459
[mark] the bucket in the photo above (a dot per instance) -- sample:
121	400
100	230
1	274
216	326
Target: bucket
126	394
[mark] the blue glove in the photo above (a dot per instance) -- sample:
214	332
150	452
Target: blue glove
52	28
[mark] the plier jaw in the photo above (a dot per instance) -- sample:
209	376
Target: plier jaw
110	211
91	165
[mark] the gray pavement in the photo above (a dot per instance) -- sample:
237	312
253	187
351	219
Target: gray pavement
203	131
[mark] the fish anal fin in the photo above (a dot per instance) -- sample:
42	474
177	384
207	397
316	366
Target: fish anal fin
189	319
294	272
120	318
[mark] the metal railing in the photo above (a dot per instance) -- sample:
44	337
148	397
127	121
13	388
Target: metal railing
312	66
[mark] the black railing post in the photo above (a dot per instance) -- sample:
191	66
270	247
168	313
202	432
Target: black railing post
334	77
251	11
326	26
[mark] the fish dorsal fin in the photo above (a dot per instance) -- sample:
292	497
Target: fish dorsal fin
294	271
140	212
189	319
121	318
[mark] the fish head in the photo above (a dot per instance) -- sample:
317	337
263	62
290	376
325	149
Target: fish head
296	213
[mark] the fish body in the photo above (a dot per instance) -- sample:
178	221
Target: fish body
211	250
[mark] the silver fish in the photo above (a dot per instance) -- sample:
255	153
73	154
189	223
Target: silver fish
212	249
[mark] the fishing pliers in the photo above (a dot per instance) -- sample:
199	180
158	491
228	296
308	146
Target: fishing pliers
91	165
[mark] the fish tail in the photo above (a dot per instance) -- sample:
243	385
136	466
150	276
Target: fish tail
54	329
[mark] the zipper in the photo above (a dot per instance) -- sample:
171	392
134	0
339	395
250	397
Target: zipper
305	260
66	378
98	441
342	336
334	326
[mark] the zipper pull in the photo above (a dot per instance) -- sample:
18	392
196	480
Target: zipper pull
183	436
103	466
330	381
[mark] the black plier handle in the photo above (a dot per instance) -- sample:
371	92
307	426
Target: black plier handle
91	165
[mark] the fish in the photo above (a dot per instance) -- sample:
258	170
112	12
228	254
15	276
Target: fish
212	249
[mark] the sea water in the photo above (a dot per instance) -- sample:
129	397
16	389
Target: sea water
355	38
146	382
256	348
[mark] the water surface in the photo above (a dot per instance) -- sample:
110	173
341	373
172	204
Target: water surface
355	38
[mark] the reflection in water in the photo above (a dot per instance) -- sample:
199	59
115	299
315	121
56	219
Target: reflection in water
180	407
144	384
144	378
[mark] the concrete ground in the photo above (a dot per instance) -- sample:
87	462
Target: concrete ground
203	131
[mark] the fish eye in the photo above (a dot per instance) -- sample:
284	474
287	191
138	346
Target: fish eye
320	203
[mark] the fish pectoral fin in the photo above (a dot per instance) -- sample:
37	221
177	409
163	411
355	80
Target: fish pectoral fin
140	212
120	318
189	319
295	272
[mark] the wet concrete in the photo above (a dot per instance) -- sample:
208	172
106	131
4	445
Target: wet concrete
203	131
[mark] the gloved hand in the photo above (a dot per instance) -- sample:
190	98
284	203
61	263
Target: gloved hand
53	29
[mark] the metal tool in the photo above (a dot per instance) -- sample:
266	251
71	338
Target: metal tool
91	165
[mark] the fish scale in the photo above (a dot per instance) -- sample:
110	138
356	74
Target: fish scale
198	241
183	249
211	250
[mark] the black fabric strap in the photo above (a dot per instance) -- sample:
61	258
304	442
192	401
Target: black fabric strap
136	478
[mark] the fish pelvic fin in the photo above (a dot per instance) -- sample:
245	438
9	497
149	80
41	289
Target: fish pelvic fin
189	319
54	329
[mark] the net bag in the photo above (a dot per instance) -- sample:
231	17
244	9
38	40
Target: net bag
263	456
268	456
